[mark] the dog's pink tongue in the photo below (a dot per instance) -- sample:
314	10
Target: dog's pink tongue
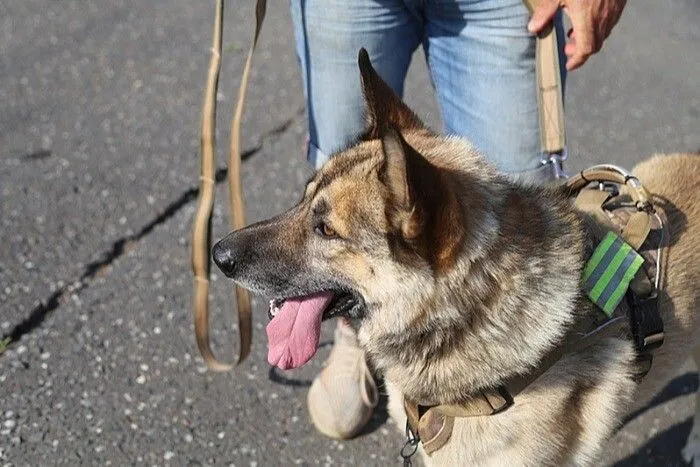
293	334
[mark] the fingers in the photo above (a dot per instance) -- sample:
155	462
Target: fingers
592	22
582	44
570	46
583	40
542	15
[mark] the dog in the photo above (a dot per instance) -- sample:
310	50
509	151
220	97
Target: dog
459	279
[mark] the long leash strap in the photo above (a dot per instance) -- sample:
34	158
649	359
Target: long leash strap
201	232
549	89
235	184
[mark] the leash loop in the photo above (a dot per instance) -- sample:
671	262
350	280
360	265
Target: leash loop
201	229
201	232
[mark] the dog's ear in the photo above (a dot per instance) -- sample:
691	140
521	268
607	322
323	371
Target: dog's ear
401	175
383	108
423	206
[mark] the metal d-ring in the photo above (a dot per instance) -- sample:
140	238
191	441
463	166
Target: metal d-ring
410	446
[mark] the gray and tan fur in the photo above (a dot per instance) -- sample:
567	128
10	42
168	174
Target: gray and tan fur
464	279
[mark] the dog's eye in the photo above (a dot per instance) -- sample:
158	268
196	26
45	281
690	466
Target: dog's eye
324	230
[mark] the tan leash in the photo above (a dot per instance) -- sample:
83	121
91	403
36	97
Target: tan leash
201	231
550	96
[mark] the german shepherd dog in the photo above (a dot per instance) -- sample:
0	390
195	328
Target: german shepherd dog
459	279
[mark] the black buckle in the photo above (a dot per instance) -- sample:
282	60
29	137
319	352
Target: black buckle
647	326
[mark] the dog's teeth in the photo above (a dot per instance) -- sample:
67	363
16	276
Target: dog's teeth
274	308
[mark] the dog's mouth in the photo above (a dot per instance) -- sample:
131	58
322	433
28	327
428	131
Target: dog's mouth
295	324
341	304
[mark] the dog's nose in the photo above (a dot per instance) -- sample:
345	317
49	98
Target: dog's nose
224	259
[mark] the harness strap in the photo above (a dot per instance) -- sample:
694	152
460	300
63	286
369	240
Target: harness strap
591	202
433	424
613	174
647	222
201	229
637	229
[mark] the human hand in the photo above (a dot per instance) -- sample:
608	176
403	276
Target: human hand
592	21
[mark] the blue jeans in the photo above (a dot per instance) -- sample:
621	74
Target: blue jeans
481	58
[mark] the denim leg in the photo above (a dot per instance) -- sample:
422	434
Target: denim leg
329	34
482	61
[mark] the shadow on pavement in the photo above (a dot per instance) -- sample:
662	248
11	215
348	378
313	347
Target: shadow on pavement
664	448
380	414
680	386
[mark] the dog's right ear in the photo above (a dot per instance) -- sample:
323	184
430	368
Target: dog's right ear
423	206
383	108
403	173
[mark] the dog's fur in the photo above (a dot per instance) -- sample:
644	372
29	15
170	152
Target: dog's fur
463	279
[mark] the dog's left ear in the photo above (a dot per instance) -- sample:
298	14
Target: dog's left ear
383	108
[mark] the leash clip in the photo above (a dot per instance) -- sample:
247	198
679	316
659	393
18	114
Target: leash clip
410	446
556	159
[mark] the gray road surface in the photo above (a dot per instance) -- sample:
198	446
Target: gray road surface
99	108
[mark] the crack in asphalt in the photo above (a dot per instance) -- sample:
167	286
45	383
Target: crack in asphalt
125	244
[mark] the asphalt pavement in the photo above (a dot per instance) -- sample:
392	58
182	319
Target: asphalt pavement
99	112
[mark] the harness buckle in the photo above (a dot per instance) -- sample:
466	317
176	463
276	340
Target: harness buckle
612	188
647	326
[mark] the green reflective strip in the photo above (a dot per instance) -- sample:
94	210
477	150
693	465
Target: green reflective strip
609	273
598	254
617	278
603	264
615	298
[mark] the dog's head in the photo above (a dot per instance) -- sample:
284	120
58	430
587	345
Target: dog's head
374	222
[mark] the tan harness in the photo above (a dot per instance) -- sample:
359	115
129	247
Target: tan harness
616	202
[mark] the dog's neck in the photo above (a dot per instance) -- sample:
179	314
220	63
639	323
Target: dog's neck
507	300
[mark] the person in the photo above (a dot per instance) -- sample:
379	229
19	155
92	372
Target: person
481	56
